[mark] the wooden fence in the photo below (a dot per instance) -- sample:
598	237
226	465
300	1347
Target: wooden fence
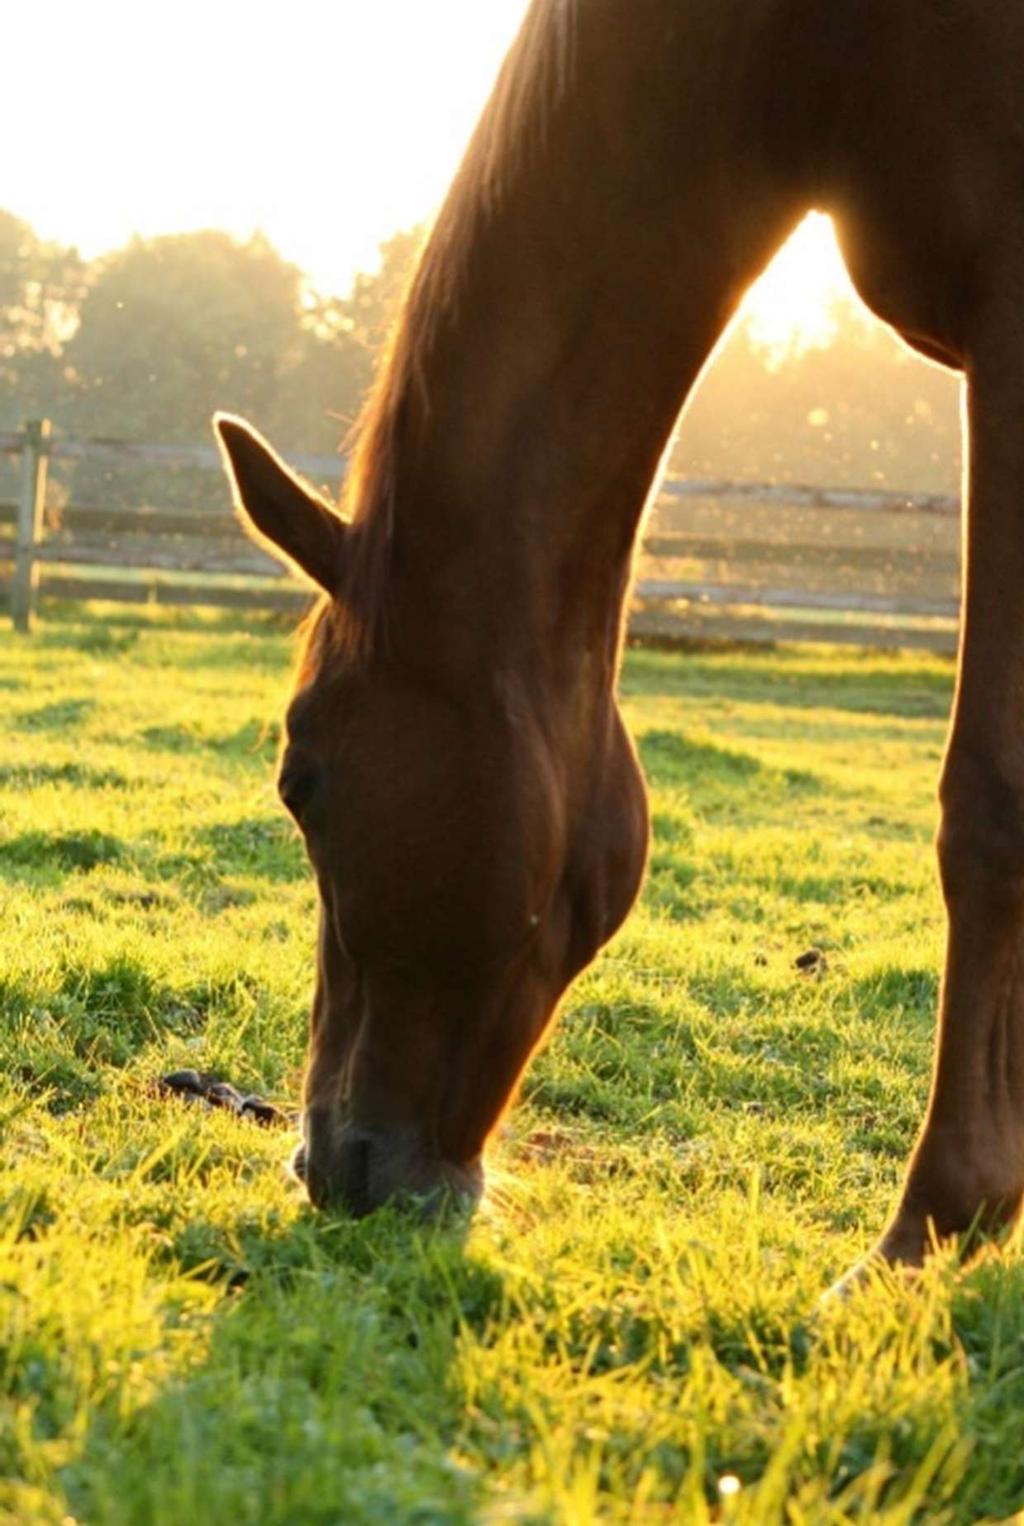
719	560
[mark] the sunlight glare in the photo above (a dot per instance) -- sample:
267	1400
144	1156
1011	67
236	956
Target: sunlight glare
793	307
366	131
329	128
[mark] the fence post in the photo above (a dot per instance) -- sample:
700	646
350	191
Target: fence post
25	584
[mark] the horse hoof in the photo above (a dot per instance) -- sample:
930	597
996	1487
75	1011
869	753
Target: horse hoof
875	1269
851	1283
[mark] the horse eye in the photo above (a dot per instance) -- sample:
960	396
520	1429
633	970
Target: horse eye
295	787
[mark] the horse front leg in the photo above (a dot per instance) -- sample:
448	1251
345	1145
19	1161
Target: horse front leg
967	1171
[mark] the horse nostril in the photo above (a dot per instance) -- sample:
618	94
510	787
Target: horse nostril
355	1170
336	1163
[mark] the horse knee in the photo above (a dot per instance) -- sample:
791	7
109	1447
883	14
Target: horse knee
981	836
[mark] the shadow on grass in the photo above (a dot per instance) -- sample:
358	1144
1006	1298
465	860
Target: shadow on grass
855	682
330	1388
898	991
669	758
324	1393
99	628
173	738
94	637
34	775
63	623
51	855
837	890
58	1035
264	846
62	715
254	739
259	848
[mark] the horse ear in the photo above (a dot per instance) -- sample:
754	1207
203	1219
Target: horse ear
277	508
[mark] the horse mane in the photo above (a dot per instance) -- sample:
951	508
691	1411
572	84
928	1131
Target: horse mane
533	80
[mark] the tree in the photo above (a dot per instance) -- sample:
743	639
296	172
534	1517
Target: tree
149	340
173	328
40	289
376	298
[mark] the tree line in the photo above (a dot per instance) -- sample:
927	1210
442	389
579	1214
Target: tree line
146	341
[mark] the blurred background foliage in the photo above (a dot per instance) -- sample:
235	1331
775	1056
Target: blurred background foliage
146	341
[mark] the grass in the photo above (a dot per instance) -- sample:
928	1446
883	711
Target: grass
629	1329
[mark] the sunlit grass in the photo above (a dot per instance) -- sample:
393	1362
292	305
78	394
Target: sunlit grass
629	1329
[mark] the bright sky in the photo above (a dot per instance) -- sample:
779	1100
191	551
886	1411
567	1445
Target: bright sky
330	124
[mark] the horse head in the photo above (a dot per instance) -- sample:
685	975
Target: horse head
467	865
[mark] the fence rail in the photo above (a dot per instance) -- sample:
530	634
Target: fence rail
721	560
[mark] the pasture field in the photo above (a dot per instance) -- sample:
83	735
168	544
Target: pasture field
628	1330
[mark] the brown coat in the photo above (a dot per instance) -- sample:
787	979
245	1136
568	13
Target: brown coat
455	758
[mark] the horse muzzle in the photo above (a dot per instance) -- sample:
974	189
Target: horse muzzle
356	1170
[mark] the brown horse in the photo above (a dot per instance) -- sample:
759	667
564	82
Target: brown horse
455	758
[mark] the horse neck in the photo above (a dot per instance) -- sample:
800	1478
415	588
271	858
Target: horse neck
574	287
